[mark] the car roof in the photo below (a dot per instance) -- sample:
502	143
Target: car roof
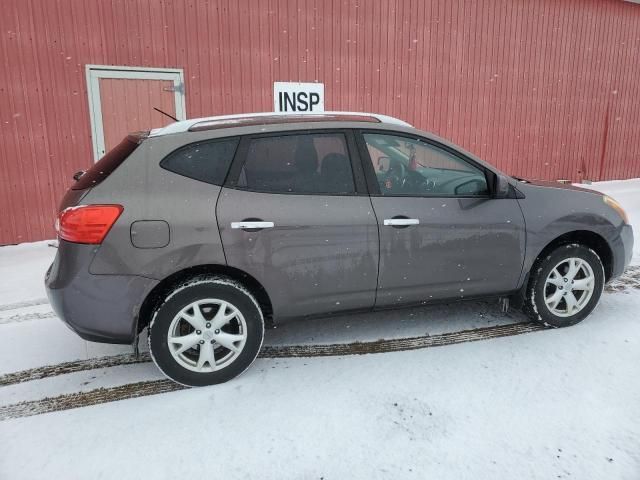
272	118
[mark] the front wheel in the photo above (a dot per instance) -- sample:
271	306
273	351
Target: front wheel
565	286
207	331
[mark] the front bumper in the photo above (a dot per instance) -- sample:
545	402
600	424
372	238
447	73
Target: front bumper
99	308
622	251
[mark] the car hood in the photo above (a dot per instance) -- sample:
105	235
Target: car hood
557	185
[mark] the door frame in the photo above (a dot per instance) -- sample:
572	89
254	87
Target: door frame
93	75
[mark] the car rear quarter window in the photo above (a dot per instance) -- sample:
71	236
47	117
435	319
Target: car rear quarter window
315	163
206	161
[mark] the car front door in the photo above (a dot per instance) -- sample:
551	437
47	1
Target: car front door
294	214
442	235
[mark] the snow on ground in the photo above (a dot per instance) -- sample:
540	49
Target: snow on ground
548	404
22	270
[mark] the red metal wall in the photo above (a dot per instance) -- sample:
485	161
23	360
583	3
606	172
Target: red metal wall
541	88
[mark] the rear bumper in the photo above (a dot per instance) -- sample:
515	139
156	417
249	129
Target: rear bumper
99	308
622	251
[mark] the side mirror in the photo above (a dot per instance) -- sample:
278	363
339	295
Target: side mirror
501	187
472	187
77	175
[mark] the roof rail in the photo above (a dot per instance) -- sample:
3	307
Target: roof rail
254	118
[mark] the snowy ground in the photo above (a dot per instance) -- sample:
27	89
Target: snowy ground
545	404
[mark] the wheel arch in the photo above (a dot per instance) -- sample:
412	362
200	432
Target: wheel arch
587	238
160	291
594	241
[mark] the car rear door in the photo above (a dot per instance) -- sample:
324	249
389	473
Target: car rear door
442	235
294	214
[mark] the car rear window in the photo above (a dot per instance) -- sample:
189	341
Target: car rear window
206	161
107	164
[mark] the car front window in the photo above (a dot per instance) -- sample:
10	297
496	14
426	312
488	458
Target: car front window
407	166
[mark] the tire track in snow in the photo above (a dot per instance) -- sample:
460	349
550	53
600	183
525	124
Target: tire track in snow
630	279
28	303
153	387
400	344
85	399
25	317
72	367
290	351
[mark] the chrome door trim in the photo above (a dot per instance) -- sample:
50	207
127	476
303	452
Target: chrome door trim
252	224
401	221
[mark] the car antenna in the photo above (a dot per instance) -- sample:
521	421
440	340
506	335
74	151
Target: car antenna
165	113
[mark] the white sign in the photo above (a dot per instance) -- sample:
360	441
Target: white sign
290	97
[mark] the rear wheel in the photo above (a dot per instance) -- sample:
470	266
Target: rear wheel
565	286
207	331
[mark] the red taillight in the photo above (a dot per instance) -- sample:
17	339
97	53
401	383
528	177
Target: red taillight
87	223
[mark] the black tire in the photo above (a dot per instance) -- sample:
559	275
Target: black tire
199	288
535	306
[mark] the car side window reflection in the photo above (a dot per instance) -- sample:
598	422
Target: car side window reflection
406	166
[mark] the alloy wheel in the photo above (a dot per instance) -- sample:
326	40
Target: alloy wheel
569	287
207	335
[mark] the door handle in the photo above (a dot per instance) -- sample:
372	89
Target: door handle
401	222
252	225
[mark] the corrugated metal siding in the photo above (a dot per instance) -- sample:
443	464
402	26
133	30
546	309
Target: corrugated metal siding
544	88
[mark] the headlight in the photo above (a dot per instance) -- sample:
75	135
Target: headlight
617	207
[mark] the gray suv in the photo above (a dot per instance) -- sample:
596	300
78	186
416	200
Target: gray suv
204	230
